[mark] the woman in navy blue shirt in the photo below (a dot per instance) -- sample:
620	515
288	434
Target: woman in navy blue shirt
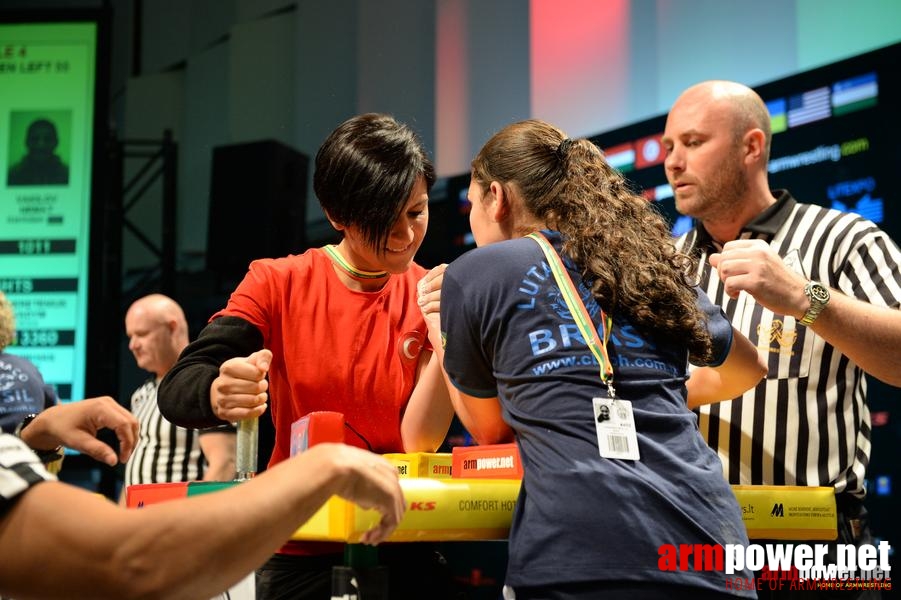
576	343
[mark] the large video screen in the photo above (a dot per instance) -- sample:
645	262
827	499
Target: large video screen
47	105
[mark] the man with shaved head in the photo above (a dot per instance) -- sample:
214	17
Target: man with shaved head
821	288
157	333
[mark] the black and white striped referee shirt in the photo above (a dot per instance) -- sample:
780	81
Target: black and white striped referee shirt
164	452
807	423
20	469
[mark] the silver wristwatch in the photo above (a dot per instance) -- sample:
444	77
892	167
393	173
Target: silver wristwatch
818	294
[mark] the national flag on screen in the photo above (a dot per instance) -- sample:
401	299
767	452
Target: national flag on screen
778	121
649	151
621	157
683	224
854	94
660	192
809	107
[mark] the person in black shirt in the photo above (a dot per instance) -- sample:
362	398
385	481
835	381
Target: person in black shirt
41	165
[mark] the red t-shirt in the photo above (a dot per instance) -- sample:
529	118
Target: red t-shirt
334	349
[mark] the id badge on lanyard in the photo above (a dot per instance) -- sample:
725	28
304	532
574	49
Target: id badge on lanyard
615	424
613	418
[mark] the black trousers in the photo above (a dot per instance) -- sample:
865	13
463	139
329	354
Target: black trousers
619	590
405	571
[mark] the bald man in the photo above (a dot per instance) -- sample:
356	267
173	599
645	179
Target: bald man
821	288
157	333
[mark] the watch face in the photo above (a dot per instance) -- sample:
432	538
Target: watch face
819	293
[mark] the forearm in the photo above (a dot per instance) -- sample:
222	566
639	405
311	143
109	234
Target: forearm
219	449
708	385
75	425
182	549
428	414
221	539
482	417
184	393
869	335
742	369
38	437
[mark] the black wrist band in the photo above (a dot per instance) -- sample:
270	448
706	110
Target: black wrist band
45	456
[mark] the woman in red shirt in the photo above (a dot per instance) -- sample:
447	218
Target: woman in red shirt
336	328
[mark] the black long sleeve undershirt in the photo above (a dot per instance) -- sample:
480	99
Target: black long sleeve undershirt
184	393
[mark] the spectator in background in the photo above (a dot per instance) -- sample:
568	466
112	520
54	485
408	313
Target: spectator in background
41	165
22	389
157	332
817	289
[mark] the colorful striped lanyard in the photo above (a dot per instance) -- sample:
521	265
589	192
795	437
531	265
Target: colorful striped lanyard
580	313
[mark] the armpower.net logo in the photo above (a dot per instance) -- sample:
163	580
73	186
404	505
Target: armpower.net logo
785	566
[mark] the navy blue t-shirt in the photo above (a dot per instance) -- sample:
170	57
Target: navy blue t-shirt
22	391
581	517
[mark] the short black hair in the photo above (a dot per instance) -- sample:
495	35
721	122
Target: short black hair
365	171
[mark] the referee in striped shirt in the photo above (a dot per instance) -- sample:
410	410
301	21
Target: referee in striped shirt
816	289
157	333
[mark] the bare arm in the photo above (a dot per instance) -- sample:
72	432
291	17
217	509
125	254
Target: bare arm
219	448
429	412
743	368
482	417
869	335
75	425
192	548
